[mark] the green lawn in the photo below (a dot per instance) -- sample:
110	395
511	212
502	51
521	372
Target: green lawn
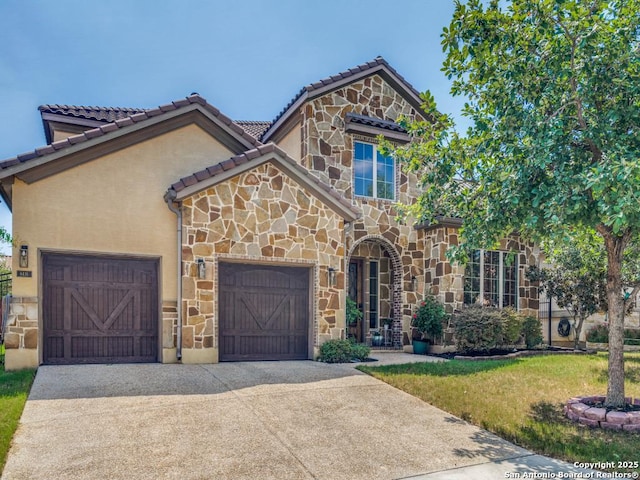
521	400
14	388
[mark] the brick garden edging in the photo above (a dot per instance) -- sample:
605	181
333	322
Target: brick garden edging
578	410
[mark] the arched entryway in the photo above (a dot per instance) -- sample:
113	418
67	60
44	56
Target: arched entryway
374	282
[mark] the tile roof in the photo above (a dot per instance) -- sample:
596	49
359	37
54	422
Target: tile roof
253	127
376	63
260	151
102	114
125	122
373	122
111	114
116	118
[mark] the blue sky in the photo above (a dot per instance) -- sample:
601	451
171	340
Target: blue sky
246	57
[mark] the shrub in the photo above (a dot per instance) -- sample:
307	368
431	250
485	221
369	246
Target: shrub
477	329
632	333
511	326
598	334
343	351
360	351
336	351
428	318
480	329
531	331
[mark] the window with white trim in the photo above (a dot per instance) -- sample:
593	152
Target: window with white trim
491	279
375	173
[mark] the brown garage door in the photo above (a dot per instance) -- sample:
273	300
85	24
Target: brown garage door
264	312
99	309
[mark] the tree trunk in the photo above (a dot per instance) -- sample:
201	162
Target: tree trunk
577	329
615	246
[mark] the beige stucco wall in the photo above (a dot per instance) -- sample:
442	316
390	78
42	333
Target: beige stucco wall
111	205
62	134
292	142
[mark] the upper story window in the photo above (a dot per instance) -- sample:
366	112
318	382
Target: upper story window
491	279
375	174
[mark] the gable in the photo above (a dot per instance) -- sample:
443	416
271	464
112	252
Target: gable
262	212
112	137
378	66
370	102
270	153
114	204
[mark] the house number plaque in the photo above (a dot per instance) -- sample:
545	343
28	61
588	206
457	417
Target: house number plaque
24	273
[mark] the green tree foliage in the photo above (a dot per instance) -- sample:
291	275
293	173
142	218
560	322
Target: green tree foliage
576	281
553	89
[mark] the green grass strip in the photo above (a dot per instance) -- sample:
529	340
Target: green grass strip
14	389
521	400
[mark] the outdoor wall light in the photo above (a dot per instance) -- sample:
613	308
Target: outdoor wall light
24	256
202	271
332	276
414	283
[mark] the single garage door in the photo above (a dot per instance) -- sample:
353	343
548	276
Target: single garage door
99	309
264	312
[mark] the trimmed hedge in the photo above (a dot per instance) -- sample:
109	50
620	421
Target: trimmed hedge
343	351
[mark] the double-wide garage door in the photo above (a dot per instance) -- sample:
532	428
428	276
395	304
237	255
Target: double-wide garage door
264	312
99	309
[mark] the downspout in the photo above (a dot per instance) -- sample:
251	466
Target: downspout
175	207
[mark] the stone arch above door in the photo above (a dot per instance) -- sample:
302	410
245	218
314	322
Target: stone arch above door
397	275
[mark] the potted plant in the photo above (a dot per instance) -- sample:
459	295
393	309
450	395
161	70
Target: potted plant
353	316
427	321
377	338
353	313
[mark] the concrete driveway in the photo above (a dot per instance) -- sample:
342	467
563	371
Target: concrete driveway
266	420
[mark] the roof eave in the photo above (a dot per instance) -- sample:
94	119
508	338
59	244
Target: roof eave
6	193
441	222
65	151
310	92
368	130
266	136
288	166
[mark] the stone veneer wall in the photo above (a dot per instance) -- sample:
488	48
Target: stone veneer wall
327	150
328	153
446	280
22	324
260	216
443	279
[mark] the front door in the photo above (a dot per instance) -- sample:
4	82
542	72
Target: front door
356	294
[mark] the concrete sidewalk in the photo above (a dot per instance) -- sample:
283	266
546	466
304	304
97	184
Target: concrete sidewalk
267	420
